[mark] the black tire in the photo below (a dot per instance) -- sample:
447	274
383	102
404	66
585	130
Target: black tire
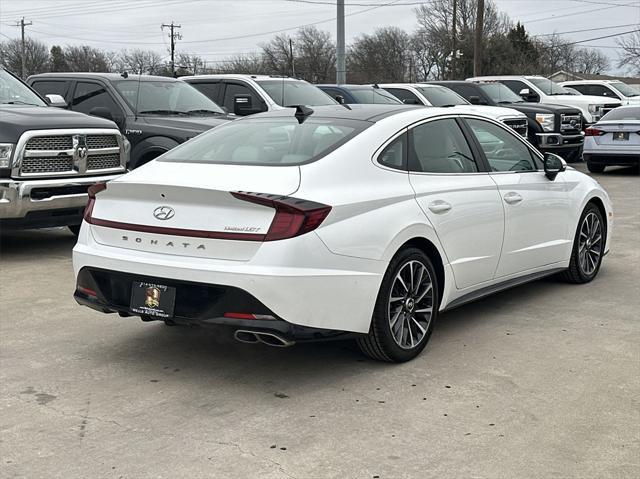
577	272
595	167
75	229
381	343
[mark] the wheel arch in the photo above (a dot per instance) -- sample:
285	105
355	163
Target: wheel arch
150	148
597	201
428	248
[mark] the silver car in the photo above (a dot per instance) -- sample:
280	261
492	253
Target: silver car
614	140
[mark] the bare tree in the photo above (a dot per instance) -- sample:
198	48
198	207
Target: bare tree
630	55
556	54
142	61
276	55
315	55
189	64
83	58
244	64
383	56
37	56
591	61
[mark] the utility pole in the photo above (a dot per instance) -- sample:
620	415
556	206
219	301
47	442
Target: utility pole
173	36
23	58
454	41
293	65
341	67
477	43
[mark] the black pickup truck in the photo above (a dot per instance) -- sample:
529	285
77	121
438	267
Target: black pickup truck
154	113
49	158
552	128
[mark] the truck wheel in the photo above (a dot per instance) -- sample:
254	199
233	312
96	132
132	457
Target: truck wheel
595	167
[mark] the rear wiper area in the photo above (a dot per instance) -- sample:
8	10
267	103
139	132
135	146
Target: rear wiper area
161	112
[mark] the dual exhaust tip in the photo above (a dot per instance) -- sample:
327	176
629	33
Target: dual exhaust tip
255	337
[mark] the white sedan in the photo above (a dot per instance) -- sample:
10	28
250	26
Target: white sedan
364	220
614	140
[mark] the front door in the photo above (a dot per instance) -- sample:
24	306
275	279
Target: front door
460	200
537	210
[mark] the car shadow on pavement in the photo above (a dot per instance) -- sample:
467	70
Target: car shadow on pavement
26	244
618	171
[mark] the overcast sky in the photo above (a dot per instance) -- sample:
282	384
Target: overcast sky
215	29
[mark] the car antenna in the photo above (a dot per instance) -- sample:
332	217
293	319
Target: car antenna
135	112
302	112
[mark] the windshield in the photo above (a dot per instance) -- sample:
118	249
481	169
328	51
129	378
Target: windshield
623	113
166	98
625	89
295	93
548	87
500	93
374	95
441	96
14	92
280	141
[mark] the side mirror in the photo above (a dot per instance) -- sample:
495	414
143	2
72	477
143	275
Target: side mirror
242	105
474	100
525	92
411	101
553	164
340	99
55	100
102	112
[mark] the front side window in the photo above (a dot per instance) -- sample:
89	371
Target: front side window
280	141
256	104
211	90
374	96
504	151
441	96
601	90
88	96
405	96
548	87
14	92
287	92
165	98
440	147
499	93
51	87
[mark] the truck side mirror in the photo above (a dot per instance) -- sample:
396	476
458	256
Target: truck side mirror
102	112
340	99
242	104
55	100
528	95
474	100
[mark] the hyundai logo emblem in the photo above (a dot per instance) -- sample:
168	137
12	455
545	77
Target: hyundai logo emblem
164	212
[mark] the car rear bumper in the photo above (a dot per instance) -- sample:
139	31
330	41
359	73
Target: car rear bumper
44	203
612	159
328	292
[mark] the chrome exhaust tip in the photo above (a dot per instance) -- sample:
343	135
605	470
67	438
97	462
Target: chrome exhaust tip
270	339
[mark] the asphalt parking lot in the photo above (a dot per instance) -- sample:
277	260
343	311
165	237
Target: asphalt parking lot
542	381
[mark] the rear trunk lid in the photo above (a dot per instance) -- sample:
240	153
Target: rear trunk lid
187	209
623	134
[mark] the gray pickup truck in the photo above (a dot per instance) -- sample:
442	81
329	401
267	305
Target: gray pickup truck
49	157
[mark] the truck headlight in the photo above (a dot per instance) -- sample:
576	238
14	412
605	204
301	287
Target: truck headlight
594	108
546	121
6	149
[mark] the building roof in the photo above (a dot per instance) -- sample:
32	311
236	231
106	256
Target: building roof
590	76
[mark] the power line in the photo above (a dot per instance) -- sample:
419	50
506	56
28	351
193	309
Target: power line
585	30
173	36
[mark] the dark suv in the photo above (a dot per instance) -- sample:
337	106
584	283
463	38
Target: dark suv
350	94
154	113
552	128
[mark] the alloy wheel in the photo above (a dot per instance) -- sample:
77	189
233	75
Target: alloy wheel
590	244
410	304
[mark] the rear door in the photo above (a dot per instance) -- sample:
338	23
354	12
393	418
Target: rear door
537	211
459	198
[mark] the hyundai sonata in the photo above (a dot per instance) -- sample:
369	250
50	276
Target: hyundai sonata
360	221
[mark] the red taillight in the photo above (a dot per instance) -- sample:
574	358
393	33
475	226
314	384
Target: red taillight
294	217
248	316
87	291
92	192
593	132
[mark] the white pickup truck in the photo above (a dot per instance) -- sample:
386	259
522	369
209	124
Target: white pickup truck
542	90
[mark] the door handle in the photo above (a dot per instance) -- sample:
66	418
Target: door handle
439	206
512	198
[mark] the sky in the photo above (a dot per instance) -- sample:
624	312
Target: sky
215	29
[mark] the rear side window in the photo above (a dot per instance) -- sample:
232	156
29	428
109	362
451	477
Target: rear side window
51	87
395	153
211	90
440	147
87	96
278	141
581	88
405	96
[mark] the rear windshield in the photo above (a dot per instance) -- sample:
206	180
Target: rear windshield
623	113
272	141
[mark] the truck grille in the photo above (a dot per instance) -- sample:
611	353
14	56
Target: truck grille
73	153
608	107
102	162
570	124
54	164
519	125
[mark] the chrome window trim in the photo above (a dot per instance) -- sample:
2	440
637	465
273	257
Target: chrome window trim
20	152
